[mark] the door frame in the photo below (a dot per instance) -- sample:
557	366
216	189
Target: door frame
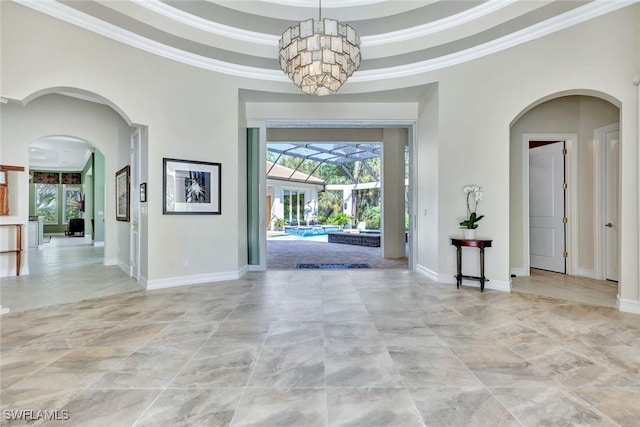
262	124
134	200
571	197
599	137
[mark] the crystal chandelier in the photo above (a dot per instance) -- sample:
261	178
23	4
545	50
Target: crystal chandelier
319	55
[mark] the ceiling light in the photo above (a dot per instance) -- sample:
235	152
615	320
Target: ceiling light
319	55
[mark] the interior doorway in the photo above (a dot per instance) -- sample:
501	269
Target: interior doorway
607	155
547	201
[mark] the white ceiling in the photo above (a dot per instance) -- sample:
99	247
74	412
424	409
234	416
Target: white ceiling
59	153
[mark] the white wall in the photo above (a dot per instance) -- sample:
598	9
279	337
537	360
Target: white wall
61	115
427	171
194	114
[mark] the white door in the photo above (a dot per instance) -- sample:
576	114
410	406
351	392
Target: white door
612	164
547	207
134	248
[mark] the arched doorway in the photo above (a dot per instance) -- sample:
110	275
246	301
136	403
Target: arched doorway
72	117
571	123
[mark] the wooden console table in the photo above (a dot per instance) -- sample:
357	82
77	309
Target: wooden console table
473	243
18	246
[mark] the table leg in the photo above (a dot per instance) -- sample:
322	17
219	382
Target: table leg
459	266
482	278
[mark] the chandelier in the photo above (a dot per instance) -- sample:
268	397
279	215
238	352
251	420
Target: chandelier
319	55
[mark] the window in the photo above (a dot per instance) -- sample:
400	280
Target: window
293	206
72	198
47	202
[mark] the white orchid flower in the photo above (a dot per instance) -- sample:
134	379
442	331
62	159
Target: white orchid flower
466	189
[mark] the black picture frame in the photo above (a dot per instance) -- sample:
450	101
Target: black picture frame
143	192
123	194
191	187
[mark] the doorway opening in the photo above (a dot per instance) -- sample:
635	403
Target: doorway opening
322	177
547	205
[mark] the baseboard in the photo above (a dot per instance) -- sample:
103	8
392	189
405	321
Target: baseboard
110	261
193	279
587	273
142	282
98	244
244	270
496	285
125	268
428	273
255	268
628	305
518	272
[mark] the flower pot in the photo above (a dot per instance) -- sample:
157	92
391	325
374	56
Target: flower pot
469	233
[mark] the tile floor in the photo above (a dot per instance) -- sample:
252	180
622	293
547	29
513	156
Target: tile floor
329	348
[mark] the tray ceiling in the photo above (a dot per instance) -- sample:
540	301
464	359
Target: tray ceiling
399	38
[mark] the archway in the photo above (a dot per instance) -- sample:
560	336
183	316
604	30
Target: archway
79	116
574	119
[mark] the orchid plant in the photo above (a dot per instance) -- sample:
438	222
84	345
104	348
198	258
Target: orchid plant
474	196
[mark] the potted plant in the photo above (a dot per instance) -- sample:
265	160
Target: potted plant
339	218
279	224
473	196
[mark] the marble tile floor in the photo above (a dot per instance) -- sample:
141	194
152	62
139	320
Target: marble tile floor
571	288
63	273
330	348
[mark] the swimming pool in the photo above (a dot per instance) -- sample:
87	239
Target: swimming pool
315	230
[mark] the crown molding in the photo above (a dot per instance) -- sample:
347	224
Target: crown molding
407	34
552	25
88	22
557	23
208	26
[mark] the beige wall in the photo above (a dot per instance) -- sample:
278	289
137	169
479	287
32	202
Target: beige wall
579	115
197	114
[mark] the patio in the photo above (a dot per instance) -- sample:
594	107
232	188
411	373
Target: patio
285	253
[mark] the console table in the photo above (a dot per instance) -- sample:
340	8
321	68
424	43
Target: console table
472	243
17	249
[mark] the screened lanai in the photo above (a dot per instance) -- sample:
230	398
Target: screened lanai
316	184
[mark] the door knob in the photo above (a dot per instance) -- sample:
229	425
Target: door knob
608	225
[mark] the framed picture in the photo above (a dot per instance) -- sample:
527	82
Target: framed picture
191	187
143	192
122	194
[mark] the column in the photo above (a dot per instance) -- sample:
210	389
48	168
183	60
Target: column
393	189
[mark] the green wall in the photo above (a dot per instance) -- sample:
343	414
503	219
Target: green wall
98	199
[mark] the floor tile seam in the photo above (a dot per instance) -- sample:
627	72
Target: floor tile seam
611	368
471	371
38	370
585	356
589	405
253	367
168	384
406	387
515	417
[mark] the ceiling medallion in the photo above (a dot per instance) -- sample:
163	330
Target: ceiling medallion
319	55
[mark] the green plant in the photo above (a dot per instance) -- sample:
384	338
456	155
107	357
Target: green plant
472	216
339	218
279	222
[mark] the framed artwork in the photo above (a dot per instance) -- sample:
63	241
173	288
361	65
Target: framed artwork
191	187
143	192
122	194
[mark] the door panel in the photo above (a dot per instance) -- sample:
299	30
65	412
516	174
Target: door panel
612	164
546	207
